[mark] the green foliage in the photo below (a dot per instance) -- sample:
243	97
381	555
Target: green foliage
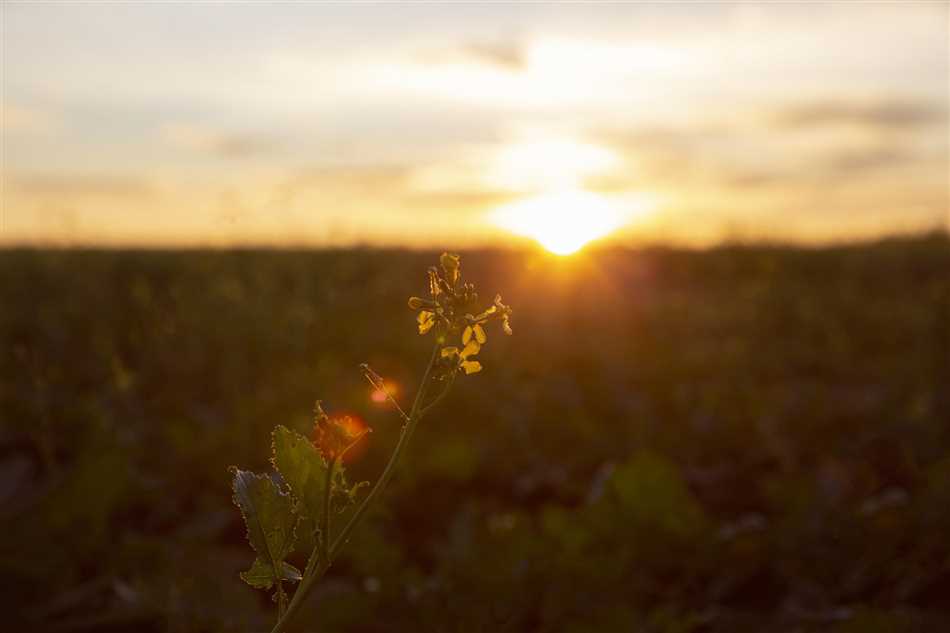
261	574
652	496
271	522
303	469
800	397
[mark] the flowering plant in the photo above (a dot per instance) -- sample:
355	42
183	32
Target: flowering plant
309	485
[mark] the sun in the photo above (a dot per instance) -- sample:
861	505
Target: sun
561	221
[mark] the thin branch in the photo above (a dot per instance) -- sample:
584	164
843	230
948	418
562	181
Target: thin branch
438	398
377	382
306	583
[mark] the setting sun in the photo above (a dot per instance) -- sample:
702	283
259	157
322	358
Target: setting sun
562	221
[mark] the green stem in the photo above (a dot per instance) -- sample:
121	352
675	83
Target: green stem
324	562
281	599
438	398
325	522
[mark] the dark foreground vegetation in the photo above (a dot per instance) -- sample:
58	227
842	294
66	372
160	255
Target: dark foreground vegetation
745	439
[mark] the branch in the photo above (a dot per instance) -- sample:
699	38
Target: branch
377	381
306	583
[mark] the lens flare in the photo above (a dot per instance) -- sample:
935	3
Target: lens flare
379	396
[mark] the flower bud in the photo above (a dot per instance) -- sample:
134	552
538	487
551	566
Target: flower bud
450	264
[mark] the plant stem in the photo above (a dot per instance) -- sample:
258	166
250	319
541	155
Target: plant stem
324	562
325	523
438	398
281	600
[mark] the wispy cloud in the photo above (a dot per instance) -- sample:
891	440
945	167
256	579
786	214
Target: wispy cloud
508	54
70	185
218	144
19	119
890	114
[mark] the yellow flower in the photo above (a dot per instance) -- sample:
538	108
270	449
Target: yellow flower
449	311
461	358
472	347
471	366
426	320
474	330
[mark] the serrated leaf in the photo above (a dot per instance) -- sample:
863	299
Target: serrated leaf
302	467
261	574
270	519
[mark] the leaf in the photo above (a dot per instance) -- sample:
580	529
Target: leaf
344	495
270	519
302	467
261	574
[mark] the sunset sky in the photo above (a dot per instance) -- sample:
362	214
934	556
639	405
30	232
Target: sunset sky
458	124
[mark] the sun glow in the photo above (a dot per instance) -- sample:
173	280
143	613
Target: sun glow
561	221
548	164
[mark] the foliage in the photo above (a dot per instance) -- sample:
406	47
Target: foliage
787	406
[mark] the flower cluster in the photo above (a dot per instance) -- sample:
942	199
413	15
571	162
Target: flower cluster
452	310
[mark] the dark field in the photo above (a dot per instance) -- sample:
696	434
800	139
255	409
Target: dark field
744	439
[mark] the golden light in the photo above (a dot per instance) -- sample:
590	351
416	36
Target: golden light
561	221
547	164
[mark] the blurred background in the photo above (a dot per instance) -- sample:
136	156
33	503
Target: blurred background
723	230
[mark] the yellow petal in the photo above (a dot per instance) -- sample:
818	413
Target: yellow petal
471	366
467	335
487	313
426	320
448	352
480	335
471	349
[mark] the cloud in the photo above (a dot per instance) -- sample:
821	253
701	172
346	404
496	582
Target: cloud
74	185
750	159
504	54
23	120
891	114
218	144
393	185
509	55
456	201
851	162
358	179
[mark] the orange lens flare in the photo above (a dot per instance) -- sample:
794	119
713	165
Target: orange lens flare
379	396
354	427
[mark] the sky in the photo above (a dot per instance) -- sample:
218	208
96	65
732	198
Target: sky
459	124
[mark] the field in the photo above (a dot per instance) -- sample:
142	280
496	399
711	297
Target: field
749	438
